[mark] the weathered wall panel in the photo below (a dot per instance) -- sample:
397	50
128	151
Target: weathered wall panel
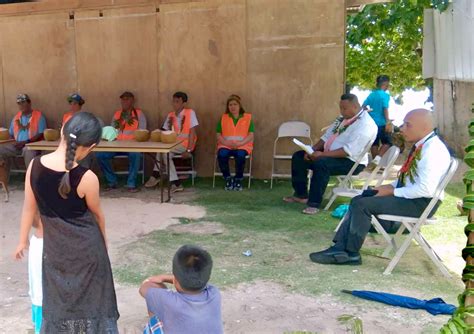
3	116
38	59
453	102
202	53
295	67
285	58
117	52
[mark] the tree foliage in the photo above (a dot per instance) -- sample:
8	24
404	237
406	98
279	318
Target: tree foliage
387	39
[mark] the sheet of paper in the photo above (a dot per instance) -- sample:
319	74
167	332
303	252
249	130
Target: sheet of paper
307	148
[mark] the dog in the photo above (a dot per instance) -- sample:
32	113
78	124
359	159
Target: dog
4	176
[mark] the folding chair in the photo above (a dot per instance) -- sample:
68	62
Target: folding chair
285	130
190	171
385	164
346	180
414	226
140	170
18	165
248	157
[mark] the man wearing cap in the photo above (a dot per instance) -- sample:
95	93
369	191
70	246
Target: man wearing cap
126	121
26	127
75	101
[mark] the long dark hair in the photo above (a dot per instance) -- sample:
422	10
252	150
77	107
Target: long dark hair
235	98
83	129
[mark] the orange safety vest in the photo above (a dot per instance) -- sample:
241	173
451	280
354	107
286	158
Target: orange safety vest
126	130
67	116
185	128
236	132
32	125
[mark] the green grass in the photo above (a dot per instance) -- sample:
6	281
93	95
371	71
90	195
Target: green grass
280	238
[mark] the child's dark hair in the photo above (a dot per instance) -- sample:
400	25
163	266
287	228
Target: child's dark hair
181	95
381	79
83	129
192	267
235	98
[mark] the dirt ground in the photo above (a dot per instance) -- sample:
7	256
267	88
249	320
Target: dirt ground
260	307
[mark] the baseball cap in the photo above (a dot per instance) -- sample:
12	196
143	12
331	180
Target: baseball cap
75	98
127	94
22	98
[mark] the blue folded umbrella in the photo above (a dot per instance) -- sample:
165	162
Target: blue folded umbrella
435	306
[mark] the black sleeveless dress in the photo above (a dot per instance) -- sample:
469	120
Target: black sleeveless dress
78	287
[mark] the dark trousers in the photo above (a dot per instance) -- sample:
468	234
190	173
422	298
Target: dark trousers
354	229
322	169
223	156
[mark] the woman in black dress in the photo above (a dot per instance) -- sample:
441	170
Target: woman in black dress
78	288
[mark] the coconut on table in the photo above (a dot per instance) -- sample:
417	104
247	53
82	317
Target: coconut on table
51	134
4	134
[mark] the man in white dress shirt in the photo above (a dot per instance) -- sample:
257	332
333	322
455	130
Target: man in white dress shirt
427	163
335	154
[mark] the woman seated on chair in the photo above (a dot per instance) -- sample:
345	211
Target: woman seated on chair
234	138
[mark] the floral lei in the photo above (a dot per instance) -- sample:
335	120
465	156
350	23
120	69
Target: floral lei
125	119
170	120
21	126
337	126
410	166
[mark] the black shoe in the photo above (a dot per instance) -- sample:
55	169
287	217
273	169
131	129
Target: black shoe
237	185
335	257
229	184
330	251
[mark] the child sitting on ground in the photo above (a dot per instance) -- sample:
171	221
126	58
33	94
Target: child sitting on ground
195	306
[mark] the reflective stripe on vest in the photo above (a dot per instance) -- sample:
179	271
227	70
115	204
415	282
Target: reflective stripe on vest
33	124
236	132
233	137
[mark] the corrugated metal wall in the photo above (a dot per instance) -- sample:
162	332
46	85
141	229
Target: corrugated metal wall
448	43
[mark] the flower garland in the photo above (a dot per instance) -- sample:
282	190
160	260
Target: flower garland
21	126
171	122
125	119
337	124
410	166
338	129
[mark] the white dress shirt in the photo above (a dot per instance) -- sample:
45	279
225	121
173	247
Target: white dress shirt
355	138
432	166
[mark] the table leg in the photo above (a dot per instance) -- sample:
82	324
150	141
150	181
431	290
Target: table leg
162	178
169	182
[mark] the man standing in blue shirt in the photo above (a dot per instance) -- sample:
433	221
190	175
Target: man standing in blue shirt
378	101
26	127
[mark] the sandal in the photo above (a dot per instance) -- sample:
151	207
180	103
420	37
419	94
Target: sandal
310	211
294	199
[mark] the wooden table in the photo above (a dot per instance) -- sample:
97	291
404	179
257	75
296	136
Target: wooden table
6	141
122	146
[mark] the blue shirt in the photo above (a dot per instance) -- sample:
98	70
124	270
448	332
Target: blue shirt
183	313
24	134
378	100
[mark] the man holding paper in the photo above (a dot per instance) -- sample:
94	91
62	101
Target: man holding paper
334	154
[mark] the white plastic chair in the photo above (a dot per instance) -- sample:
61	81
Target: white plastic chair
288	129
414	226
385	164
248	157
346	180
